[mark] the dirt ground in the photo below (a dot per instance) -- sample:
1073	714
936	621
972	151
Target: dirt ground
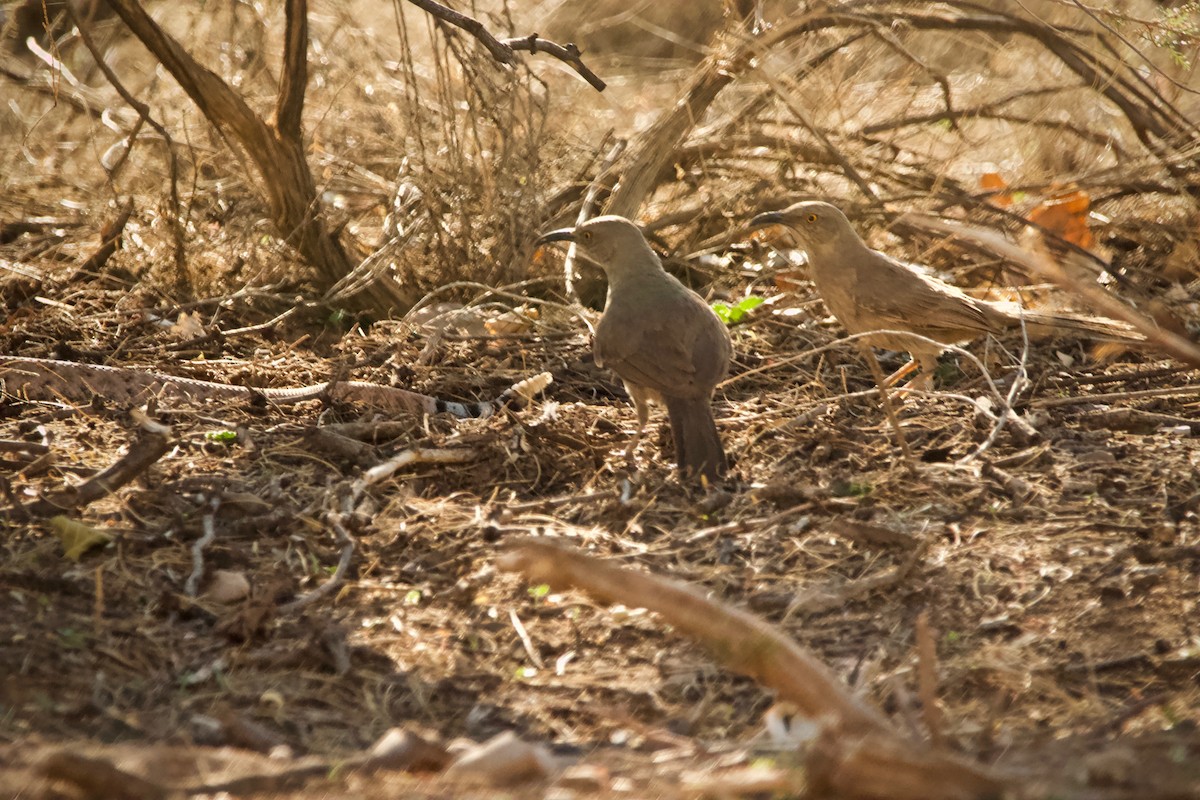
1059	568
1057	562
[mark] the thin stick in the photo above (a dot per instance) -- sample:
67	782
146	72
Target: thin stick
588	205
1006	413
967	354
339	574
526	642
192	585
1111	397
927	682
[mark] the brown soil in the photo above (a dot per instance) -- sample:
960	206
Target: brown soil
1061	579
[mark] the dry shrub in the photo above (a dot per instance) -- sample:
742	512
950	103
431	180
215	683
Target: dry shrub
393	99
475	141
876	109
495	154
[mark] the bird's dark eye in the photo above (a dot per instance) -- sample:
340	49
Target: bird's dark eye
587	234
812	217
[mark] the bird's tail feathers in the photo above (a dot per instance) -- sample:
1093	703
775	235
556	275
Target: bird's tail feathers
697	444
1101	327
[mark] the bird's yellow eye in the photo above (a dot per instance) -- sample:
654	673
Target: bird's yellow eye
812	217
587	234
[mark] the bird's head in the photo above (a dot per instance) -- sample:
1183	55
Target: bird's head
819	226
611	242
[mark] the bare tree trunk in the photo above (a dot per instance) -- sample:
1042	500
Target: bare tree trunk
276	148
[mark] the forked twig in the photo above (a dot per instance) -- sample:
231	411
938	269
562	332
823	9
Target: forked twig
503	49
339	574
141	456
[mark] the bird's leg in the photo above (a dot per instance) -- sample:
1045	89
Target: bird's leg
641	403
903	372
928	363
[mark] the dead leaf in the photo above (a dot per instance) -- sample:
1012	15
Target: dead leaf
1067	216
228	586
187	327
991	182
519	320
789	280
76	537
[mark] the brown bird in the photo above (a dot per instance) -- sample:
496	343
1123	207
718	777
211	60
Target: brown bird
662	340
870	291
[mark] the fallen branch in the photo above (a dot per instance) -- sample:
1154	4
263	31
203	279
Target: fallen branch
339	574
141	456
858	753
418	455
1116	397
191	587
745	642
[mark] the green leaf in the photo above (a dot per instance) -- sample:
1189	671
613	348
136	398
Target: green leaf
221	437
732	315
539	591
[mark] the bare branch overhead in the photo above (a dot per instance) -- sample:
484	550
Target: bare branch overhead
503	50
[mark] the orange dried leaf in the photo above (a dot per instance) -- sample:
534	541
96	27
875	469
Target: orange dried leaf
991	182
1067	216
768	233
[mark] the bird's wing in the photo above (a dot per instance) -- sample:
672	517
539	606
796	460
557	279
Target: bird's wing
897	293
656	345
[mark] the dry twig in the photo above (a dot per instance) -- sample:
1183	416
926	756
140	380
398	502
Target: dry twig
143	453
503	49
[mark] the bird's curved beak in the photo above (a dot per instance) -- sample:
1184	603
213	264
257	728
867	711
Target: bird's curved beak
560	235
767	218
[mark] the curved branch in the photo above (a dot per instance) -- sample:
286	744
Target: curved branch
569	54
277	152
504	50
